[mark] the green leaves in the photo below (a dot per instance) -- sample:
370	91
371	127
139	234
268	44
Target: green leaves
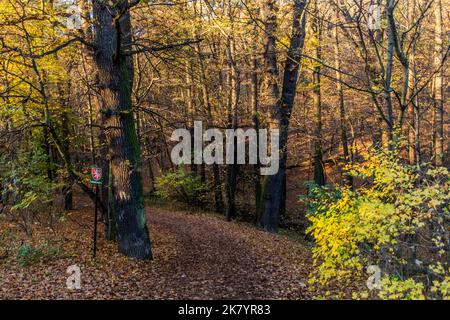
25	184
28	254
182	186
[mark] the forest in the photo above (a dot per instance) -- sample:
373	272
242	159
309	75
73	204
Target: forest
224	149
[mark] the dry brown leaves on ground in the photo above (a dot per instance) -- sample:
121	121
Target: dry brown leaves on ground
196	256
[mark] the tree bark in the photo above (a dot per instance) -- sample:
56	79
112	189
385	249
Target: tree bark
319	172
438	86
115	78
414	111
233	104
255	120
348	180
388	74
232	112
280	110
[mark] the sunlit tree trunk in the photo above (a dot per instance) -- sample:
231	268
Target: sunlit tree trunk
115	78
438	86
342	114
414	111
218	201
319	172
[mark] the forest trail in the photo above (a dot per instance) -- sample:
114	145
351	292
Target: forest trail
213	258
196	256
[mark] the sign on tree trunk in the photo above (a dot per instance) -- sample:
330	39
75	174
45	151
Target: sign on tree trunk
96	176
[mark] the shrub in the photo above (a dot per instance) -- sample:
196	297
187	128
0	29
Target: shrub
398	221
28	255
26	189
182	186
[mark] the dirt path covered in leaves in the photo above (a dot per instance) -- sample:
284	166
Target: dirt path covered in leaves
196	256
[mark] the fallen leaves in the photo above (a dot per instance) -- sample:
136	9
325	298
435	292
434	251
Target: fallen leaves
196	256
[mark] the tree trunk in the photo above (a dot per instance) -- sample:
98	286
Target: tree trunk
274	187
233	104
255	120
190	115
414	116
218	200
67	189
151	176
348	180
271	195
438	86
319	172
388	75
115	78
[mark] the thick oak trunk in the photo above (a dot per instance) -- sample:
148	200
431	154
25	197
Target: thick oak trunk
115	78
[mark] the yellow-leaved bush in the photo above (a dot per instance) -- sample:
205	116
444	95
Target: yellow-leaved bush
396	220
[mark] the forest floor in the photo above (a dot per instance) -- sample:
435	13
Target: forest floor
196	256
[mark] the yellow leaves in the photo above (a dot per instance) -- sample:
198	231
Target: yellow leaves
284	41
434	203
442	287
370	224
394	289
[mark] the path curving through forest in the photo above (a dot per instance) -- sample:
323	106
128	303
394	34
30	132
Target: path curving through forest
196	256
213	258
